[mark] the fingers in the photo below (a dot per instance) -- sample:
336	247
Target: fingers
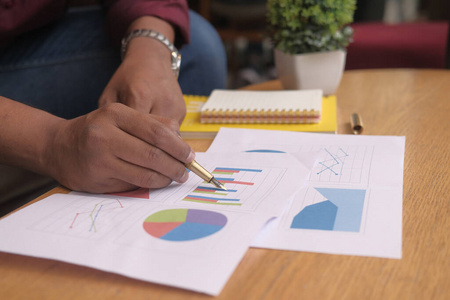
140	177
150	150
178	112
116	148
149	163
138	86
155	131
107	97
166	101
170	103
169	123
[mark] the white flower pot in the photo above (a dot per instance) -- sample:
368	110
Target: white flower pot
321	70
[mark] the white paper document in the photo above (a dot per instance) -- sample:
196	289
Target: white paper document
189	235
352	200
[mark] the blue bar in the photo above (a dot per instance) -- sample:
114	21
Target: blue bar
214	189
235	169
265	151
224	179
211	198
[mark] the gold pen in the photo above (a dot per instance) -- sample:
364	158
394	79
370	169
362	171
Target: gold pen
356	123
204	174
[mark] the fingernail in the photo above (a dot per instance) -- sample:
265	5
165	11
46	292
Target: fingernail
191	156
184	178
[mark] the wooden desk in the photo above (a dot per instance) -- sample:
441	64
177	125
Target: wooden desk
391	102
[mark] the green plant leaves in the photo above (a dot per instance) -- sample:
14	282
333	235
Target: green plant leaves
304	26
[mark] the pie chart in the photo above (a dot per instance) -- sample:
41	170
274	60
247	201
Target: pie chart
183	224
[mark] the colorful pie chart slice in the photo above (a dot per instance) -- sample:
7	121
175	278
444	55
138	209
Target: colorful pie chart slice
184	224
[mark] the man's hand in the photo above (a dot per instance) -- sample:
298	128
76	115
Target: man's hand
117	148
147	85
145	80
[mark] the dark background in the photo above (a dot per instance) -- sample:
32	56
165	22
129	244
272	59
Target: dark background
242	27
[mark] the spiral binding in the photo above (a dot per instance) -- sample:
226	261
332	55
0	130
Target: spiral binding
256	116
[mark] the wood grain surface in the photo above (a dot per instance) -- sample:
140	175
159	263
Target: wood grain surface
411	103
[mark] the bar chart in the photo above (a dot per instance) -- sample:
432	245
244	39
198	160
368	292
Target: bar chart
236	180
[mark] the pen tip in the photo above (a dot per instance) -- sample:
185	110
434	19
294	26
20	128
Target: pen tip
218	184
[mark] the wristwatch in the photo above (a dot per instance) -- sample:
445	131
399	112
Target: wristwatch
175	55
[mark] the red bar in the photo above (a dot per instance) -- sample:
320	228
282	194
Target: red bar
204	190
228	171
236	182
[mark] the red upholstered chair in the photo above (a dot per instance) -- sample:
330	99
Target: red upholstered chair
405	45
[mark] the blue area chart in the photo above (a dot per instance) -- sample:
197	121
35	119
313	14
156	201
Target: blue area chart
342	211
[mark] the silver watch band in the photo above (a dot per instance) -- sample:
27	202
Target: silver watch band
175	55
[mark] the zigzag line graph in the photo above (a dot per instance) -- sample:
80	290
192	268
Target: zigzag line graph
334	160
349	164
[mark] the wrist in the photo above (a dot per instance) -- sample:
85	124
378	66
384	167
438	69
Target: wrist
150	49
149	37
26	144
48	151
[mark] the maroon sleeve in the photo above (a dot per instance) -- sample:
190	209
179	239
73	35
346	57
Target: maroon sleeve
17	17
121	13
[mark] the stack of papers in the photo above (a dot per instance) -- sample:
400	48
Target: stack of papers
286	190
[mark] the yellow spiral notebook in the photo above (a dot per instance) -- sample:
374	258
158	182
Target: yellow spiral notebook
262	107
193	128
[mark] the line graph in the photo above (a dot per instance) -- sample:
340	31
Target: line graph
342	164
87	217
334	160
94	213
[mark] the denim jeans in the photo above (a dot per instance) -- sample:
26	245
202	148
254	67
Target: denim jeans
64	67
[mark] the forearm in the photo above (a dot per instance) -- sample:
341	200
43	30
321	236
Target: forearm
114	148
25	134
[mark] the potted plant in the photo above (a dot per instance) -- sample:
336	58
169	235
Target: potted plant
310	38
